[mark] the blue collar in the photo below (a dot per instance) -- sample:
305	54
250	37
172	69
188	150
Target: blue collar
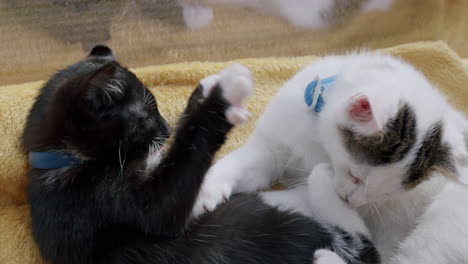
52	160
313	96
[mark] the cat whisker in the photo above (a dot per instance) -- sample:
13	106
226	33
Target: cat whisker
365	187
296	168
379	215
122	162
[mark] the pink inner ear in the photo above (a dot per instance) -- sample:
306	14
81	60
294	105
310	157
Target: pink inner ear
360	109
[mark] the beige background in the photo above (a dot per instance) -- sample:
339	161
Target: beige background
38	38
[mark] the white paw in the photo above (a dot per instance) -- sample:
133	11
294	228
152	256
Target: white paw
321	176
236	84
196	16
327	204
153	160
212	193
323	256
321	189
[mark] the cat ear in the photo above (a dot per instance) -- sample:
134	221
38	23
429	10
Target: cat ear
106	88
101	51
361	113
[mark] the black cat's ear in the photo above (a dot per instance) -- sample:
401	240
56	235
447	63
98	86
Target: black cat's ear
106	88
101	51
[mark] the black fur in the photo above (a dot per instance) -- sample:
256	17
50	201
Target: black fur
110	209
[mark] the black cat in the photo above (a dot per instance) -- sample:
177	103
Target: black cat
102	192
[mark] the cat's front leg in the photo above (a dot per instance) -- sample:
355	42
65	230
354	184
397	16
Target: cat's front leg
212	110
247	169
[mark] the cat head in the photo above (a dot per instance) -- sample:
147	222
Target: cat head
391	130
96	110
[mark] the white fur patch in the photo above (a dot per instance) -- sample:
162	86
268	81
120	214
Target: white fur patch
196	16
236	84
324	256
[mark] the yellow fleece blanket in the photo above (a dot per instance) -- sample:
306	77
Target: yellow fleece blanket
172	84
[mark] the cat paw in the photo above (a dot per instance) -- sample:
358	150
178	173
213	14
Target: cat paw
321	188
236	84
196	16
323	256
321	176
212	193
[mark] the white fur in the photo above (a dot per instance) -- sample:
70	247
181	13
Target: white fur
236	84
319	201
323	256
301	13
290	141
196	16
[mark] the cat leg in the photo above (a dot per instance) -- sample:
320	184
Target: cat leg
200	134
247	169
324	256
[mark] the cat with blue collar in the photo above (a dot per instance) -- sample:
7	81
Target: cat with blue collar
395	147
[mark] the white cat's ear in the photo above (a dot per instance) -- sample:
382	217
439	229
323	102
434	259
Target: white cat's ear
361	113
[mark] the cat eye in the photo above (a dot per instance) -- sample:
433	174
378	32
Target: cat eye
354	179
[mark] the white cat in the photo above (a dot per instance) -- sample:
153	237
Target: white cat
390	136
309	14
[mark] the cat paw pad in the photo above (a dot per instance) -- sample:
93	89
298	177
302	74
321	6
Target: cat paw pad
323	256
